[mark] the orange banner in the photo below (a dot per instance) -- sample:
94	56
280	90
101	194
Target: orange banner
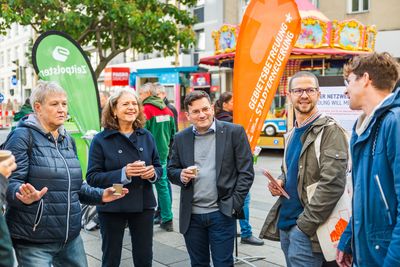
267	35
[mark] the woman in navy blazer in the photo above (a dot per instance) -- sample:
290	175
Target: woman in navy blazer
125	153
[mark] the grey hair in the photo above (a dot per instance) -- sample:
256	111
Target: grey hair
148	87
301	74
159	88
117	94
43	89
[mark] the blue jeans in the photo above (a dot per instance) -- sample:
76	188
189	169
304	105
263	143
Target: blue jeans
59	254
211	231
297	248
245	227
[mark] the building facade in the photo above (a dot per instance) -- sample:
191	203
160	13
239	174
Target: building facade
15	63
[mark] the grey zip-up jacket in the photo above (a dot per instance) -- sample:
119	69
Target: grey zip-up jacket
330	174
54	164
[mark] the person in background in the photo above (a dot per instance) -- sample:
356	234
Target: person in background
125	153
6	251
26	109
372	237
160	92
224	112
44	192
104	96
213	165
294	221
160	122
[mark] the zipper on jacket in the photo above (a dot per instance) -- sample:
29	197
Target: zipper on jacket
384	198
39	214
69	191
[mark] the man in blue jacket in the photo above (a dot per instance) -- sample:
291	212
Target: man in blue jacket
372	237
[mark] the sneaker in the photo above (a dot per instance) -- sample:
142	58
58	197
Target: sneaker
167	226
157	220
252	240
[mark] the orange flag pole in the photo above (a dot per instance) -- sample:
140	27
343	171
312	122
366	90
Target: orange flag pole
268	32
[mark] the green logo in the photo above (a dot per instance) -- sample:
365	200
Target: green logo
57	57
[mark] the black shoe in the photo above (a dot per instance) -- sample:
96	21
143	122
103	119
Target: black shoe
252	240
157	220
167	226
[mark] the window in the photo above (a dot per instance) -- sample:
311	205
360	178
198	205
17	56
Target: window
2	85
8	57
200	40
198	13
355	6
315	3
1	59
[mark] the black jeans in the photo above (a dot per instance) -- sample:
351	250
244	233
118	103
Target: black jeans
112	228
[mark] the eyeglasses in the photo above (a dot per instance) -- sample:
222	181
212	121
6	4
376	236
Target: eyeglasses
299	91
197	112
346	82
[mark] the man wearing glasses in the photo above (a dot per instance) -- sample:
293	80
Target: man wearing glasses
212	163
372	237
294	221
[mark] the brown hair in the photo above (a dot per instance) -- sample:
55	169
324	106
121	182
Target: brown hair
193	96
301	74
382	68
224	98
108	118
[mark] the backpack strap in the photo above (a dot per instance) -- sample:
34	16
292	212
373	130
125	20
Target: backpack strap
30	140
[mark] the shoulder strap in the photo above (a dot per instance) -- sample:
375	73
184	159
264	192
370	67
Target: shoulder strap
30	141
317	144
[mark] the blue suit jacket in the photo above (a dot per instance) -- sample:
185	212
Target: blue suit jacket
234	169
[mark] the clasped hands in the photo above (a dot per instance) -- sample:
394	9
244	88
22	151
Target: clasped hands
137	168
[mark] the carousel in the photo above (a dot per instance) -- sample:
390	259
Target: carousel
323	47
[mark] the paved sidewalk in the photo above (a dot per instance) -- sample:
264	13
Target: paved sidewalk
169	247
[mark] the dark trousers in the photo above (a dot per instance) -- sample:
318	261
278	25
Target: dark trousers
212	231
112	228
6	251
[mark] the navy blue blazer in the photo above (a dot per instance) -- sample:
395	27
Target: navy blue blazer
234	169
110	151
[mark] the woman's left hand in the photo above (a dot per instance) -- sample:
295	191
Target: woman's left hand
108	194
148	173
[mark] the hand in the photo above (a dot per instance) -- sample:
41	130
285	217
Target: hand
148	173
28	194
108	194
343	259
187	175
274	189
7	166
135	169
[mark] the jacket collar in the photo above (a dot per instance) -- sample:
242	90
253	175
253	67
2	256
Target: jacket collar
109	132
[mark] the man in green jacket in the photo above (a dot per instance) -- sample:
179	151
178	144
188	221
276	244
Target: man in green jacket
160	122
295	221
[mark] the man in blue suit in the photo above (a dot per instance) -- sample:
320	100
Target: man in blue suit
212	197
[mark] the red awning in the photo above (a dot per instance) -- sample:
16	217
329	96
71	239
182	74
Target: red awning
217	59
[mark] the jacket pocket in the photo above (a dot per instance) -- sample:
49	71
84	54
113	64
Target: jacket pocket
39	214
336	154
383	197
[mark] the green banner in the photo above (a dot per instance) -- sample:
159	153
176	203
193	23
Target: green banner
57	57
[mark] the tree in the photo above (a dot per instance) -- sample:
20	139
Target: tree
110	26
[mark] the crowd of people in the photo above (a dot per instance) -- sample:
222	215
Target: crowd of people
212	164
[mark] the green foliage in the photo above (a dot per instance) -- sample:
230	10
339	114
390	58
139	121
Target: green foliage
111	26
